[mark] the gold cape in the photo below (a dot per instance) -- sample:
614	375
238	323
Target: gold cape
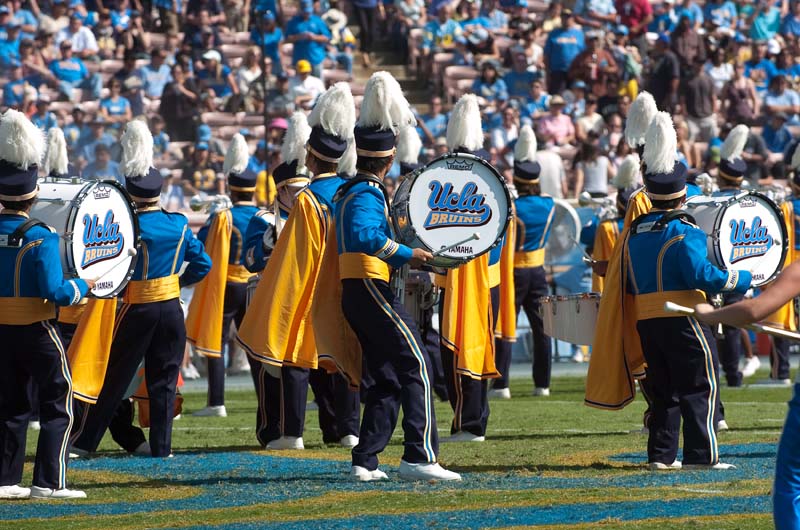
276	328
785	317
204	322
506	326
604	241
90	347
617	357
467	326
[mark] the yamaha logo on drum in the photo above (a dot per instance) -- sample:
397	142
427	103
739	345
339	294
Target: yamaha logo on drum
450	208
749	242
102	241
459	165
102	192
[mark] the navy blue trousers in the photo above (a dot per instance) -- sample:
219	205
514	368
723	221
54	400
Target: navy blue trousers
431	340
122	429
281	407
398	368
469	397
233	311
682	382
34	353
730	345
779	358
502	360
530	284
156	333
339	407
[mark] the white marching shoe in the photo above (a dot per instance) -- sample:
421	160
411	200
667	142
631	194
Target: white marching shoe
541	391
719	466
751	365
63	493
35	425
286	443
660	466
77	452
463	436
14	492
217	411
349	441
722	425
434	471
362	474
500	393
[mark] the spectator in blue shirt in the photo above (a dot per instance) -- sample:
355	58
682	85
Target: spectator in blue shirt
490	88
780	98
765	21
432	125
155	75
43	118
121	16
160	138
217	77
168	12
102	168
9	46
268	36
259	160
498	19
71	73
310	36
596	13
115	109
26	20
438	35
776	134
519	78
759	68
98	135
721	14
692	11
791	22
562	46
14	90
538	103
77	132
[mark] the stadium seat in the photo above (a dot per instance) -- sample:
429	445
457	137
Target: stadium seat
250	120
218	119
110	66
334	76
234	50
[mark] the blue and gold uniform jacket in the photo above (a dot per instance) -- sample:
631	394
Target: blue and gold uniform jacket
364	235
255	256
241	214
670	263
166	243
534	221
693	190
33	279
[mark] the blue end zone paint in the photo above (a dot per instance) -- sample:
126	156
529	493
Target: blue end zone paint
240	479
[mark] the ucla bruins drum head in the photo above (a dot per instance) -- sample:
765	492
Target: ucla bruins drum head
98	227
456	200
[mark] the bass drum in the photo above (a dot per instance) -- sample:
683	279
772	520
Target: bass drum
564	234
98	226
745	231
456	199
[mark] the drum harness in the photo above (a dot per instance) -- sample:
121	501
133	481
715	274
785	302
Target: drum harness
14	240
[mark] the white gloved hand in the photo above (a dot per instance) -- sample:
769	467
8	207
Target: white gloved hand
268	239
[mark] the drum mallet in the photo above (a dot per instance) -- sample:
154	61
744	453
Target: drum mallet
131	253
442	250
586	257
758	328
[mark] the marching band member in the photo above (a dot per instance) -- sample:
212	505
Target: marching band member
785	316
730	175
150	324
786	489
394	359
666	260
534	220
33	352
468	306
221	297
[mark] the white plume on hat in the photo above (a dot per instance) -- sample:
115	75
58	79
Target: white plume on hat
56	161
642	111
21	142
733	145
464	129
237	157
384	106
408	145
796	157
525	150
347	164
137	149
294	141
660	145
628	173
335	111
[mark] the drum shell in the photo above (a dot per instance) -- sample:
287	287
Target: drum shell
252	285
570	318
494	192
59	205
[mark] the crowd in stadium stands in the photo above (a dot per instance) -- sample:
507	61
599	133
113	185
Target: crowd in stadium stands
202	70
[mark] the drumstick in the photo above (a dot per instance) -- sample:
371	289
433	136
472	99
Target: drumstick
672	307
586	257
131	253
476	235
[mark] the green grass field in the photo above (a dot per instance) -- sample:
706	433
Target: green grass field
542	455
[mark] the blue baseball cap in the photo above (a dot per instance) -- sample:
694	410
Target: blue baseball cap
664	38
621	29
262	144
4	10
203	133
268	16
306	6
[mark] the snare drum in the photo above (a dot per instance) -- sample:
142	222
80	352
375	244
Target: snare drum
98	226
570	318
452	200
745	232
419	294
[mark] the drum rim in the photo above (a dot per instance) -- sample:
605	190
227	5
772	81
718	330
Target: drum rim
457	262
71	216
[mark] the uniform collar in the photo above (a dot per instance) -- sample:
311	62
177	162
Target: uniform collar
323	176
367	173
244	203
148	209
15	212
